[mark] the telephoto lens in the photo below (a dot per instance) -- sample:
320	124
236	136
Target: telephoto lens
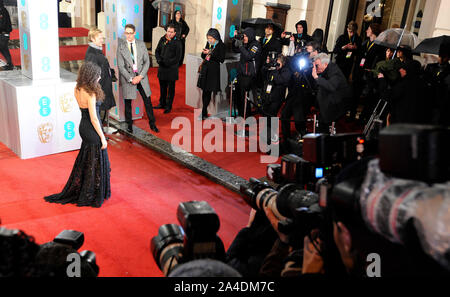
167	247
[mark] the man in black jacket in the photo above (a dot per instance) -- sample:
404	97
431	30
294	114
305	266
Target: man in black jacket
168	54
270	45
249	63
332	91
5	29
437	77
301	93
347	48
409	101
275	86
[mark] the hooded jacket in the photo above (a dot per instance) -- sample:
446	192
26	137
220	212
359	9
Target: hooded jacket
299	39
250	54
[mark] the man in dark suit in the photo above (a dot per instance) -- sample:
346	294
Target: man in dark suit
133	63
168	55
332	91
270	44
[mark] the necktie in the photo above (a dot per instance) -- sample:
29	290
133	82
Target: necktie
132	52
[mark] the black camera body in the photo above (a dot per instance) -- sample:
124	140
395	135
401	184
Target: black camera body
323	156
418	152
196	238
273	63
75	240
290	204
239	35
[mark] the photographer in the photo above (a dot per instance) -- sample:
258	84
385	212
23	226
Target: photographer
332	91
298	40
283	260
249	64
363	82
300	97
437	76
270	45
277	78
408	98
346	48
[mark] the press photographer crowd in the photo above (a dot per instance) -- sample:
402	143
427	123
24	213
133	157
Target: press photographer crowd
372	201
369	202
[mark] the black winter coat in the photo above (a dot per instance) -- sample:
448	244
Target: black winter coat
333	90
410	101
273	45
181	27
96	56
437	78
342	61
279	79
168	55
210	76
250	58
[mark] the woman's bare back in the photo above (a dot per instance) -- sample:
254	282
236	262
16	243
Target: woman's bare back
82	98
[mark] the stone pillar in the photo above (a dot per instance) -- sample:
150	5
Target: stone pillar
118	13
226	16
39	42
296	13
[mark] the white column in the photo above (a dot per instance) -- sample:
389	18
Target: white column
297	12
435	19
39	41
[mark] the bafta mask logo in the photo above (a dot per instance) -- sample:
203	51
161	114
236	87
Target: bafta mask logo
24	19
66	102
26	62
45	132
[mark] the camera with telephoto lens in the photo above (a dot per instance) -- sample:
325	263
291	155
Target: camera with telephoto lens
196	238
296	208
409	157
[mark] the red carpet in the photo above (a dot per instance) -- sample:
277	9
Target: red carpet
146	190
244	164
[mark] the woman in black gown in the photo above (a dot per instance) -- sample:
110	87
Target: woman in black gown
209	79
88	184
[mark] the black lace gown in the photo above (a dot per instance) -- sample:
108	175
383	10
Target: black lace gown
88	184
